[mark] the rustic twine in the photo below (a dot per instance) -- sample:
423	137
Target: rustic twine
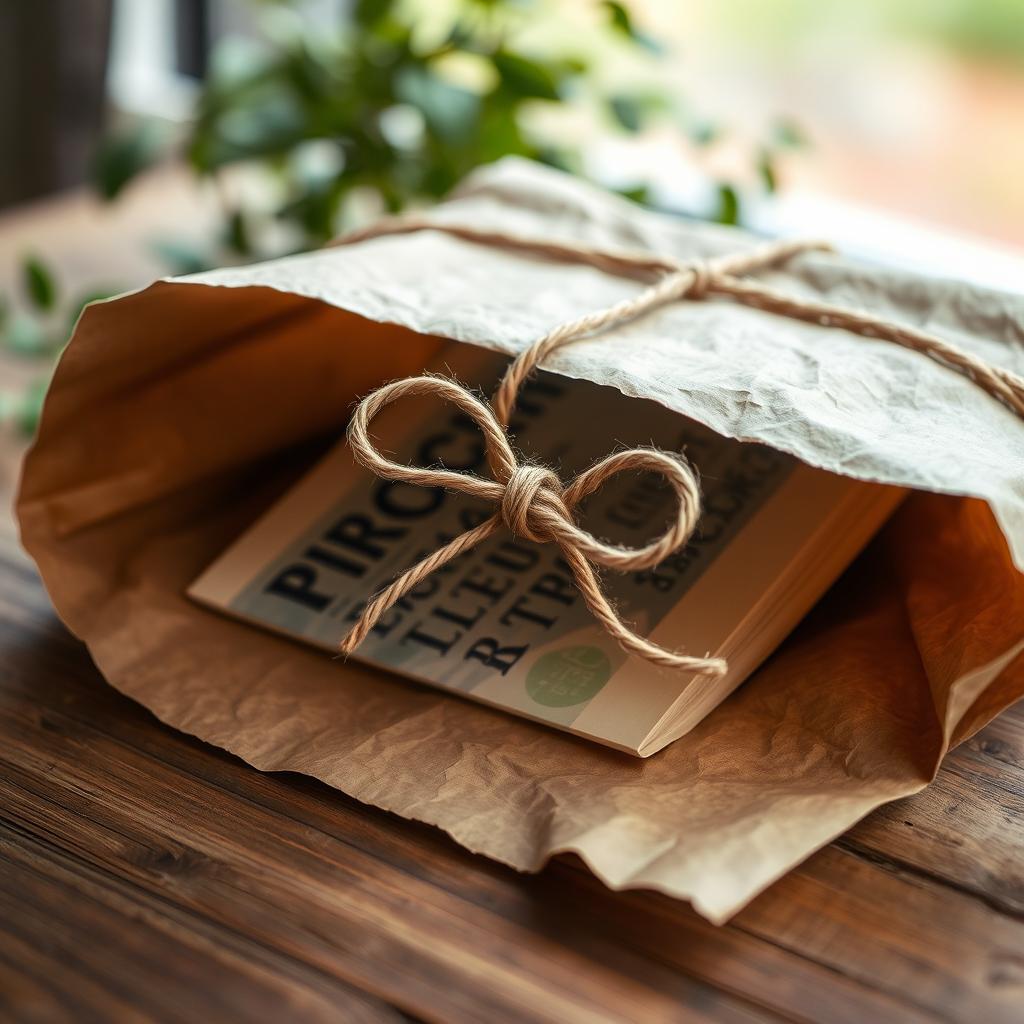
531	500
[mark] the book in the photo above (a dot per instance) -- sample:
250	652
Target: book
504	623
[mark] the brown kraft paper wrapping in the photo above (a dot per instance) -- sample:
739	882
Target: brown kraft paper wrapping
179	412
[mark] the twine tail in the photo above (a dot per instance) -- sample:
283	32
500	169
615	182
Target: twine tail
413	576
632	643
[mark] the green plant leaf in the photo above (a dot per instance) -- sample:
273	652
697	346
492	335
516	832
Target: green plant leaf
638	194
124	155
449	110
628	111
40	284
525	78
557	156
253	127
315	210
367	13
238	236
29	406
500	133
766	171
703	133
620	17
728	208
622	22
787	134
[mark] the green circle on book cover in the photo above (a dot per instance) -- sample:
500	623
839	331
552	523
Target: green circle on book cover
570	676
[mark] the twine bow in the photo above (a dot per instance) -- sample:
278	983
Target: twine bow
534	505
530	500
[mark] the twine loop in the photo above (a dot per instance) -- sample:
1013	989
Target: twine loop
530	500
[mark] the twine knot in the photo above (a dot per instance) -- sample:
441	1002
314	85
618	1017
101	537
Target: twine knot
533	495
697	280
529	499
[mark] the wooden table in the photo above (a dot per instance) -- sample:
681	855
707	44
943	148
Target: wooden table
147	876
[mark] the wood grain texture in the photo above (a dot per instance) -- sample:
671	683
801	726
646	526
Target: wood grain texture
148	876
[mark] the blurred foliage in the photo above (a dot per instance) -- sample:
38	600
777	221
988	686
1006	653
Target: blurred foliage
37	331
987	28
992	29
400	101
392	106
784	136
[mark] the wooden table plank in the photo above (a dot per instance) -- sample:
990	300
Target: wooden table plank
938	949
663	930
312	897
121	958
965	829
360	900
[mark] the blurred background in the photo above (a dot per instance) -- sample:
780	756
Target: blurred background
147	137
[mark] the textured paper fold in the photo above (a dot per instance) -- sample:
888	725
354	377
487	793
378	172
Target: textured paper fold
178	412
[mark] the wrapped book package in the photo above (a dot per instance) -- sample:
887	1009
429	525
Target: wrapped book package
180	412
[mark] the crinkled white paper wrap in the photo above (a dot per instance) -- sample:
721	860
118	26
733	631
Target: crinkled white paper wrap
853	405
